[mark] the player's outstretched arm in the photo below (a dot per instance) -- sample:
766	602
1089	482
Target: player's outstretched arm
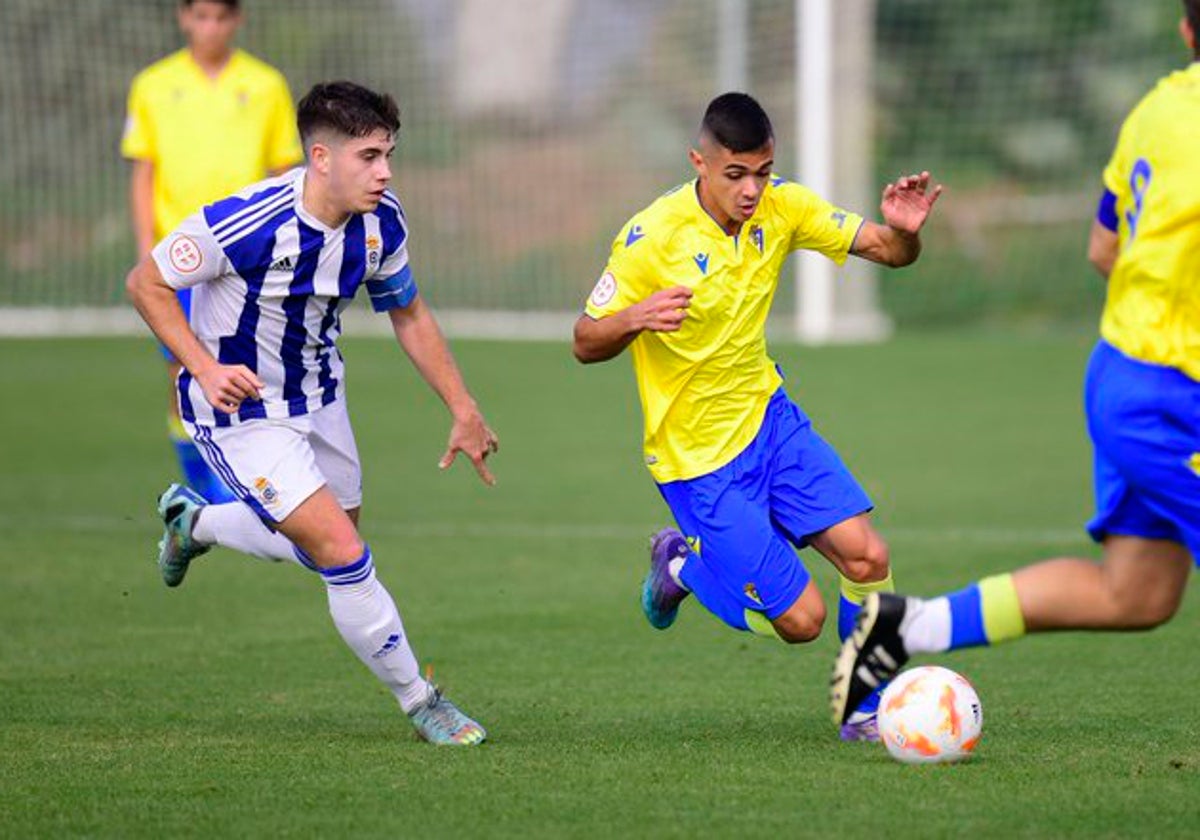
600	339
422	340
224	386
906	205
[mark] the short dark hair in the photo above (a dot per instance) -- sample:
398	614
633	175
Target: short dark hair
345	108
1191	10
737	122
233	4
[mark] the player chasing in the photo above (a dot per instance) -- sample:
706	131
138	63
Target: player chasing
262	391
202	122
687	289
1142	400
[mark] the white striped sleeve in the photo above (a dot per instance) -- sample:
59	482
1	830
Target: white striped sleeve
190	254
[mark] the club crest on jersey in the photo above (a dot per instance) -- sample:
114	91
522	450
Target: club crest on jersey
266	490
756	236
605	289
752	593
373	245
185	255
635	233
701	262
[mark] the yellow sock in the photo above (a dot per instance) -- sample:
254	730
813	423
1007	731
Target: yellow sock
853	595
1002	618
175	428
856	593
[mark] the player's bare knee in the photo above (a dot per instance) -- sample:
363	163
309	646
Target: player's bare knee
798	626
1145	611
869	565
334	552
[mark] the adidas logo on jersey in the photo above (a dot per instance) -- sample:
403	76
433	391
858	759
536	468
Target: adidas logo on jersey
283	264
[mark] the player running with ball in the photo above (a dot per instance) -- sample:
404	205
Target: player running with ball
688	287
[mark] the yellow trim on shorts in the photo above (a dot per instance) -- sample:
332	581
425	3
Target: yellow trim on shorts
759	624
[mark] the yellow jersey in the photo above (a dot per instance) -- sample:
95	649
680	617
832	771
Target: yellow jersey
704	389
208	138
1152	311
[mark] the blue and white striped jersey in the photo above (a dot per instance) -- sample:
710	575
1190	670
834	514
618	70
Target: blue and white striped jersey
269	285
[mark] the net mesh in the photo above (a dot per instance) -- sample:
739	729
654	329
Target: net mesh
534	128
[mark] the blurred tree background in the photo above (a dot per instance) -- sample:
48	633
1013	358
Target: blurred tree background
534	128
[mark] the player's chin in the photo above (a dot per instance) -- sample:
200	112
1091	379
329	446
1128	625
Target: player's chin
369	202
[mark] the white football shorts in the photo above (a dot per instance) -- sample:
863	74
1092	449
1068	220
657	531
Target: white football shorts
274	465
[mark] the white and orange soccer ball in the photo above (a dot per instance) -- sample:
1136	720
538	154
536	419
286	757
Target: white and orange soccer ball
930	714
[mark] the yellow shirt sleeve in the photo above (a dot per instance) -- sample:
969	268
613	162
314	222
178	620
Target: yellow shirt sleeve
137	140
816	224
1116	173
628	278
283	142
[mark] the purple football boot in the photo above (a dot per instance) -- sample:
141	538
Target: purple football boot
661	595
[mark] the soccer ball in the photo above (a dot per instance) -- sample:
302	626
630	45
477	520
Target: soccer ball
930	714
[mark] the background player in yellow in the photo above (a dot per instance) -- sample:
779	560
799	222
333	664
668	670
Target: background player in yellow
202	123
1142	400
688	287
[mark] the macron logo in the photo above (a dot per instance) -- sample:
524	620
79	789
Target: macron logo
283	264
635	233
701	262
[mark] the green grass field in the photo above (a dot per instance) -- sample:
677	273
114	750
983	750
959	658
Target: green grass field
230	707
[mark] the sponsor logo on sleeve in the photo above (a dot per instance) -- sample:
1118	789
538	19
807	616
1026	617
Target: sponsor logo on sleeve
185	255
605	290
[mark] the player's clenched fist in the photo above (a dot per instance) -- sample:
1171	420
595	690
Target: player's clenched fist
226	386
665	310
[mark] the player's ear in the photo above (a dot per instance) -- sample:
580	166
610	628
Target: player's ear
1189	36
318	157
697	161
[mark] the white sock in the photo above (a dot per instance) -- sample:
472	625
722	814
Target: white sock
926	625
369	622
234	525
675	568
